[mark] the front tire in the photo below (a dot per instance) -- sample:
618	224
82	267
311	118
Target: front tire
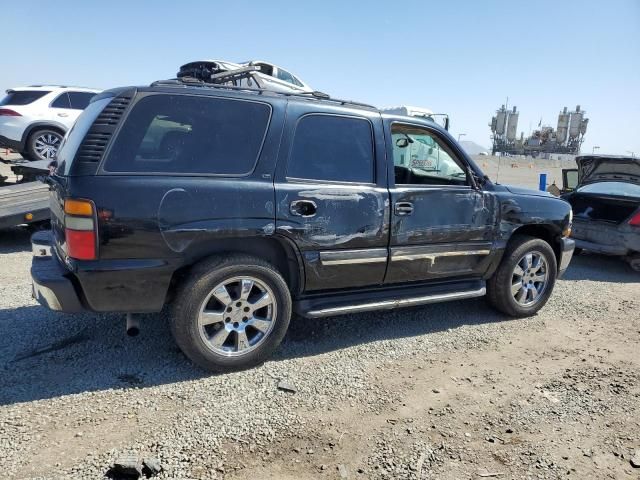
231	313
525	278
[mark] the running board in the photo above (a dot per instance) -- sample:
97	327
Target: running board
325	309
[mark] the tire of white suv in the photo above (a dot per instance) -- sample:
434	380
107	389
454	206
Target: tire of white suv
43	144
231	313
525	278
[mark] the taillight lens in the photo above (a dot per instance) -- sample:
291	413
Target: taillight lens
7	112
635	220
80	229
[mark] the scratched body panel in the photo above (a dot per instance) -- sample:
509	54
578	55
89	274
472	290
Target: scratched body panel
352	218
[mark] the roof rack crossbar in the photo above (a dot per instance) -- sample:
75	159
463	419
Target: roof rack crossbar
227	76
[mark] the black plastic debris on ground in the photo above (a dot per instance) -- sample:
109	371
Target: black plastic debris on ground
132	467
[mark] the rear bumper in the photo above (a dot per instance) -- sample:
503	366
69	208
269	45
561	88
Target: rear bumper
127	286
52	285
567	246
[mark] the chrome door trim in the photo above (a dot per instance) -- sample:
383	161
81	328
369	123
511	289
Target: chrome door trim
433	252
353	257
396	303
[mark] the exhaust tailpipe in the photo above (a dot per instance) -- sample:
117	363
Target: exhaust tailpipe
133	325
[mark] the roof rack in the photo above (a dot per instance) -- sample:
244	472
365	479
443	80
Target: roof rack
219	81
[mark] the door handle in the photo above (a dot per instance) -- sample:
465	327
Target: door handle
303	208
403	208
63	114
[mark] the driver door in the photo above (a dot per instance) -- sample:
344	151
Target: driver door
441	223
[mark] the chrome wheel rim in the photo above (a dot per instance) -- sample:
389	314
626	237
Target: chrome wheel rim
237	316
46	145
530	278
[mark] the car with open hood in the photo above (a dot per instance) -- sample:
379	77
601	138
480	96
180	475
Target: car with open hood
604	192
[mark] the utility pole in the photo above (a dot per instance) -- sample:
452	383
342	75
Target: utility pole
461	135
593	150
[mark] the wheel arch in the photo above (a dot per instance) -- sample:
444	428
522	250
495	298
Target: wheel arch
41	126
544	232
276	250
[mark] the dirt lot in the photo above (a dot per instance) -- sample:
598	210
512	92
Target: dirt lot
449	391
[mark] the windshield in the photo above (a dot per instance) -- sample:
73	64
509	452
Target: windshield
74	137
620	189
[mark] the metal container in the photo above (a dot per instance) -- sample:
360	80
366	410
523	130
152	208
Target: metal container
501	121
583	126
563	126
512	125
575	123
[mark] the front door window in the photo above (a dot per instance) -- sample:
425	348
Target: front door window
420	158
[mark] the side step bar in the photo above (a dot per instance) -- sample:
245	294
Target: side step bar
390	304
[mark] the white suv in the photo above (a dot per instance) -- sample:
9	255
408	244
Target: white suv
33	120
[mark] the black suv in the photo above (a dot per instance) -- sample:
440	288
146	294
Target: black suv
239	207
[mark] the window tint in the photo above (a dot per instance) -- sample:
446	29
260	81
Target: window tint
23	97
189	134
334	148
80	100
419	157
62	101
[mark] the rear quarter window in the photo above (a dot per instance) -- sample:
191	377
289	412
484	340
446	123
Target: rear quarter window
181	134
22	97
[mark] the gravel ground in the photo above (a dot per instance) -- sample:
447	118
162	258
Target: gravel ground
447	391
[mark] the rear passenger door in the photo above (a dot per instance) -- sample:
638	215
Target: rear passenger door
331	195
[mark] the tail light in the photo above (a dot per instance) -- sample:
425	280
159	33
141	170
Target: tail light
635	220
7	112
80	229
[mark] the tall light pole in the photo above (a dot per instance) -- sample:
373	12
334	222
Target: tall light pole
593	150
461	135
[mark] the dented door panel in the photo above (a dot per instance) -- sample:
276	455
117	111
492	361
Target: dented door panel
449	233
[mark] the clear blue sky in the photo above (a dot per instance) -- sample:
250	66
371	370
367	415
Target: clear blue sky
453	56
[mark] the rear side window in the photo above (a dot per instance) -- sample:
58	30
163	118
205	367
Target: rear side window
62	101
327	147
23	97
190	135
80	100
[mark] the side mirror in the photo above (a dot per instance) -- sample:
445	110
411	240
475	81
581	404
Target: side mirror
446	123
402	142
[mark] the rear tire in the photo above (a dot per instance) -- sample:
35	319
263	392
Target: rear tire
231	313
634	261
525	278
43	144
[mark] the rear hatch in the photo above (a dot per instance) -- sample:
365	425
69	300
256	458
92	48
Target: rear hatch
79	156
608	168
608	189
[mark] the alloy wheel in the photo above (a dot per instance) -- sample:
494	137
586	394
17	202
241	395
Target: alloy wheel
46	145
237	316
530	278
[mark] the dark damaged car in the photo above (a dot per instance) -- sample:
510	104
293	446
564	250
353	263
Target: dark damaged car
239	207
605	196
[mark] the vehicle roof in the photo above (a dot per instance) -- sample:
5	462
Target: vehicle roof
227	90
51	88
174	85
